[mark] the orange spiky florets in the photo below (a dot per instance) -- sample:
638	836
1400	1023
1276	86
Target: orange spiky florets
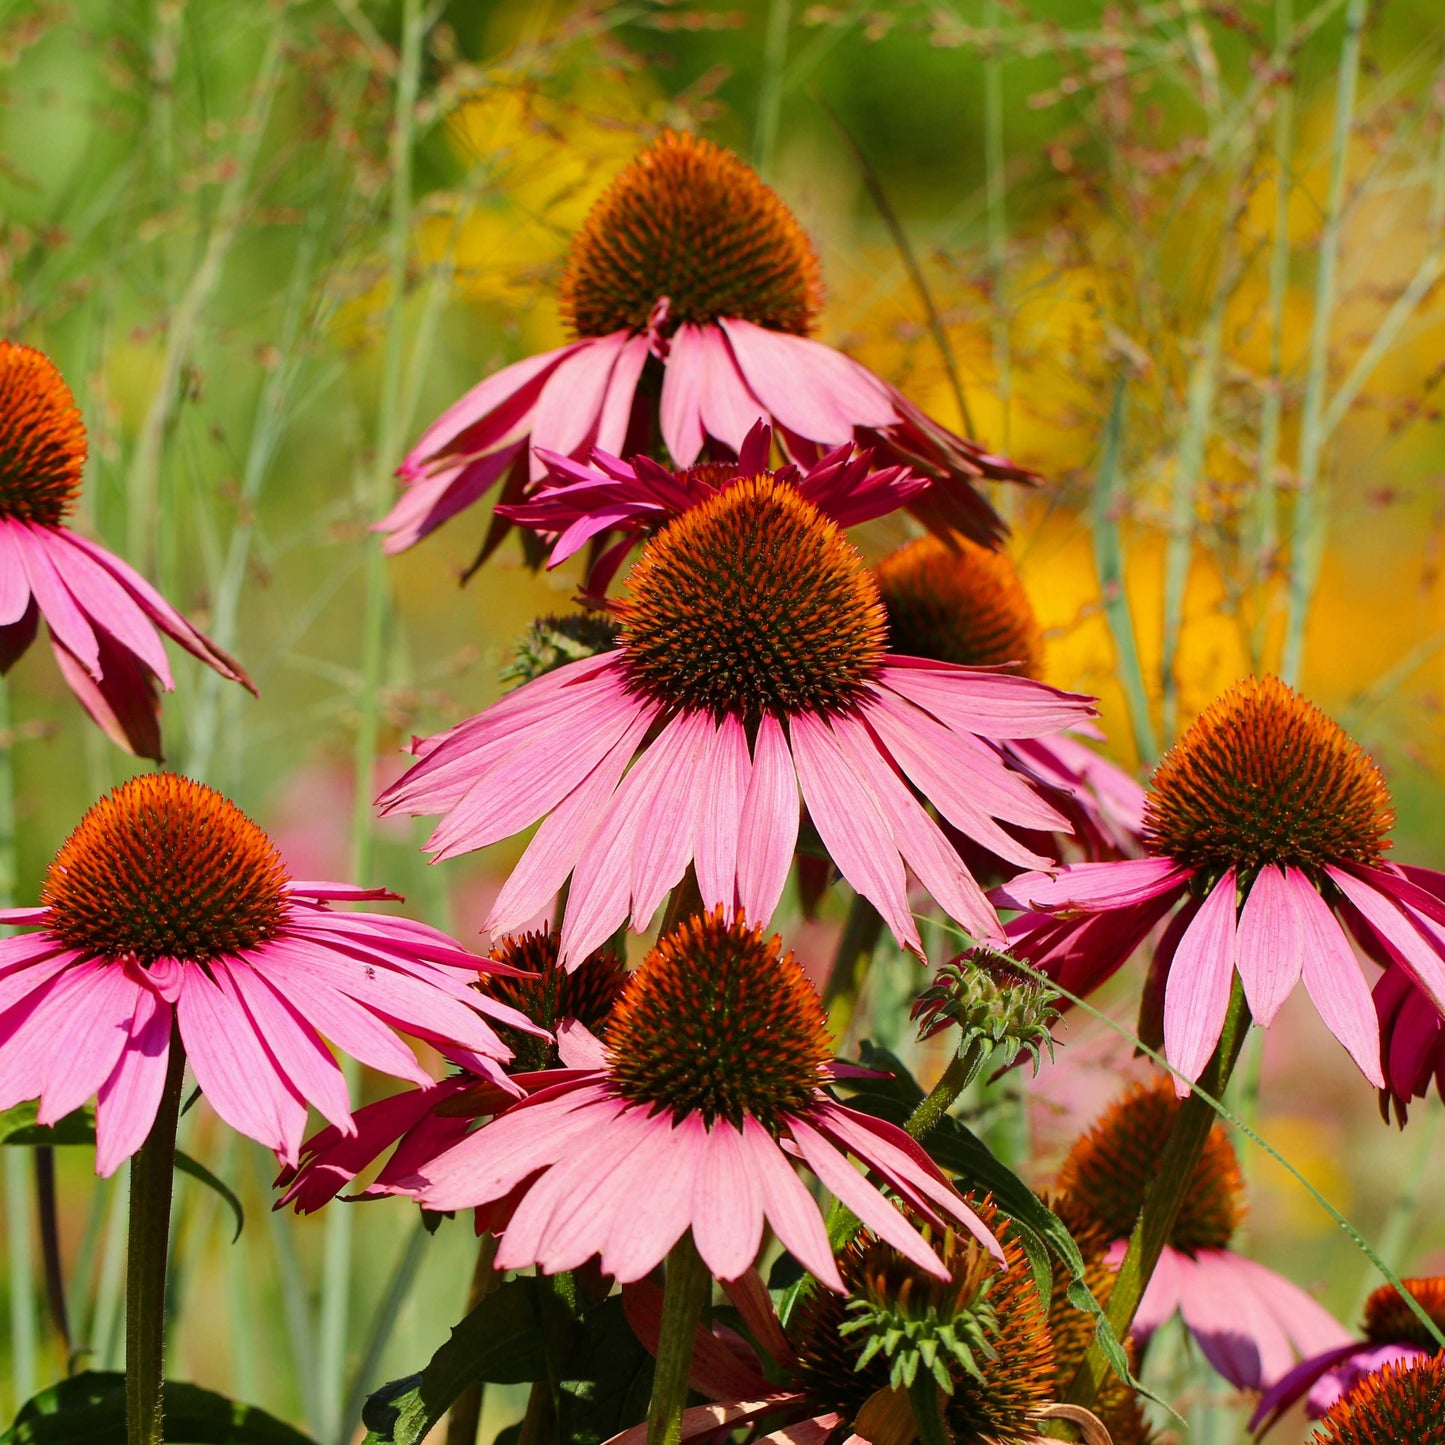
42	438
689	221
719	1021
1390	1321
1400	1404
163	867
752	601
1265	777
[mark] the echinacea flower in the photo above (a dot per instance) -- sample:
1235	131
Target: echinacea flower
422	1122
1251	1323
104	619
710	1087
692	291
167	921
843	1368
1393	1337
751	665
954	601
1412	1029
582	503
1395	1405
1269	825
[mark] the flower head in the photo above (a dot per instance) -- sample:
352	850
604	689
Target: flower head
105	621
1250	1323
1268	824
691	289
709	1085
1394	1338
1398	1402
167	908
992	1002
751	664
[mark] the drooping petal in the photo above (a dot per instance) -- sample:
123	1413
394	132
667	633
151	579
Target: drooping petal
791	1209
1398	930
86	1045
570	404
1271	941
127	1101
1200	978
768	831
1334	982
727	1208
1091	887
680	408
720	814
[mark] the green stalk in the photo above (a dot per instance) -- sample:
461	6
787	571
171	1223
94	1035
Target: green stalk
960	1073
1177	1162
770	92
1304	544
465	1416
148	1239
1266	519
924	1396
996	181
336	1279
687	1290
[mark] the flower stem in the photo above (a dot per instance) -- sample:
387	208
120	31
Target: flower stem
923	1395
1181	1153
465	1415
684	1295
940	1099
145	1278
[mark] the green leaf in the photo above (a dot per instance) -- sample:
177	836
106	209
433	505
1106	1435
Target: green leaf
18	1126
500	1342
89	1409
607	1380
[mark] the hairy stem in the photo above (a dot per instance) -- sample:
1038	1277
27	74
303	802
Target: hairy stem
145	1277
940	1099
684	1295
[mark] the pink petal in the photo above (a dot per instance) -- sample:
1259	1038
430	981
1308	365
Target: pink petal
768	830
122	703
1334	982
235	1073
700	1420
14	583
1097	887
621	393
1399	930
729	410
663	1171
1161	1297
86	1045
850	821
1271	941
1197	995
60	610
1222	1314
679	413
727	1207
27	1030
127	1101
684	751
719	817
988	704
570	405
791	1209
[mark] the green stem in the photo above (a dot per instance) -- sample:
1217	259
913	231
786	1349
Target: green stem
465	1416
151	1175
955	1079
923	1395
770	92
1172	1178
684	1295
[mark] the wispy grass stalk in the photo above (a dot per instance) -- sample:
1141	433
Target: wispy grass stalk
996	187
1306	533
770	90
336	1270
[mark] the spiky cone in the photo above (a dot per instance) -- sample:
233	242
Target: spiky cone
1397	1404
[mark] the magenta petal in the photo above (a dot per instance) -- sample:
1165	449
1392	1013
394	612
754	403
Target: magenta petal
570	405
1271	941
122	703
850	821
1161	1297
1334	982
679	411
768	831
1196	997
86	1044
1404	935
720	814
1225	1319
61	611
727	1207
127	1101
791	1209
14	584
616	411
1091	887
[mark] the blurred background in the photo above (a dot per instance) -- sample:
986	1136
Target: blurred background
1181	257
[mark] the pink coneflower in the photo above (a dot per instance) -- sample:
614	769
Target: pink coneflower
580	503
1393	1337
1396	1404
711	1087
167	908
750	666
691	290
954	601
1412	1030
421	1123
103	618
1250	1323
1269	825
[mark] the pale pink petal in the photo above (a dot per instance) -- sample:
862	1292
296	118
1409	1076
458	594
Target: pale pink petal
849	819
237	1076
1334	982
1237	1337
988	704
679	411
791	1209
842	1180
663	1172
719	819
729	410
1096	887
1310	1328
14	583
1271	941
1196	997
768	831
621	393
684	751
127	1101
727	1208
1161	1296
700	1420
570	406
